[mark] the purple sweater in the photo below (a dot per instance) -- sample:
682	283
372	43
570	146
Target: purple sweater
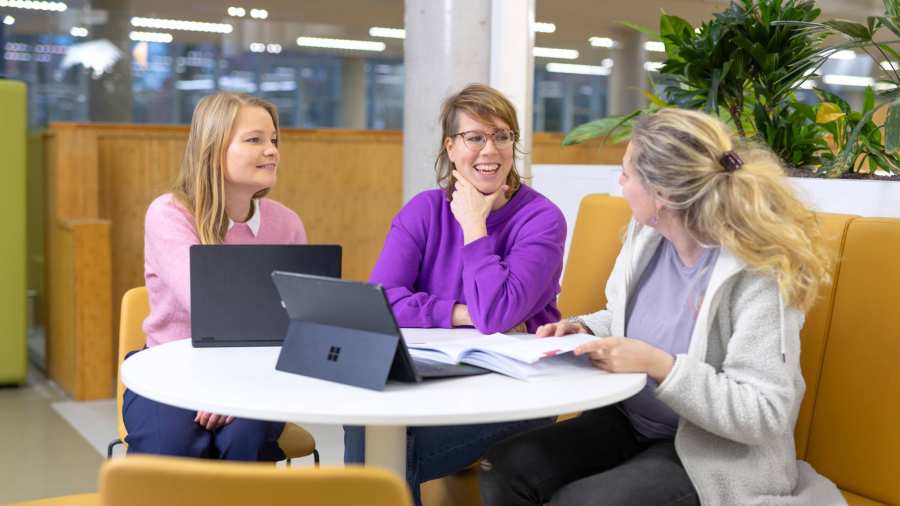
506	278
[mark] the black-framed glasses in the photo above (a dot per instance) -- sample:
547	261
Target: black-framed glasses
475	140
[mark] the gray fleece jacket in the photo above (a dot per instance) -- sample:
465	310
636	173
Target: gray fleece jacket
738	389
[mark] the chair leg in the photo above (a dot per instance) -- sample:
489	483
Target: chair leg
112	444
315	458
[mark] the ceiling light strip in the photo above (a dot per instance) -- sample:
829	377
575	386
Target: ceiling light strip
353	45
180	24
573	68
162	38
552	52
390	33
34	5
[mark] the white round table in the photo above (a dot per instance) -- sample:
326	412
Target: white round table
243	382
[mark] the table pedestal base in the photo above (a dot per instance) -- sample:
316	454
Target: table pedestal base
386	448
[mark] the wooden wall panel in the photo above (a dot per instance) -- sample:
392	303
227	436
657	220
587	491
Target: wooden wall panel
95	365
135	168
61	342
345	187
79	349
75	178
547	148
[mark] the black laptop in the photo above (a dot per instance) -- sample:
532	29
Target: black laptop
344	331
233	301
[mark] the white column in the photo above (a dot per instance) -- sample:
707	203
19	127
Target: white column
628	76
449	44
447	47
512	64
353	93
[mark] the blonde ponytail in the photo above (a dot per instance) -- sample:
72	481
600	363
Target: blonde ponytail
748	209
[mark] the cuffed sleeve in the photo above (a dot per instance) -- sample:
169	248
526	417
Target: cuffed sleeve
503	292
397	269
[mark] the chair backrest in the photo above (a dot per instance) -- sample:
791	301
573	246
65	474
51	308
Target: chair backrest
135	308
141	480
813	335
596	242
853	437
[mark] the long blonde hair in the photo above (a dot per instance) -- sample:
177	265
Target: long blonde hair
200	187
749	210
485	104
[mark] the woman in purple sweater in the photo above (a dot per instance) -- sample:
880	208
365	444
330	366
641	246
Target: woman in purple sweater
483	250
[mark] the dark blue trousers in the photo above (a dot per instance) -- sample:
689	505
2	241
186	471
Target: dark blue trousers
157	428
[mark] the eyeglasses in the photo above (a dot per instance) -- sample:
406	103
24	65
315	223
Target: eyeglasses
476	141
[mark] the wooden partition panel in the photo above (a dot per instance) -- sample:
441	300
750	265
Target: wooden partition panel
346	186
547	148
80	358
135	168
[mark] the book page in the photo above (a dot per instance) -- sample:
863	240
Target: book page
516	355
529	348
454	348
436	336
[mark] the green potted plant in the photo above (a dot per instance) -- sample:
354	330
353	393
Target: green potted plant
857	139
746	64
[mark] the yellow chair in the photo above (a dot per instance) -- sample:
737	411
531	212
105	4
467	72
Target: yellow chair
68	500
596	241
144	480
294	440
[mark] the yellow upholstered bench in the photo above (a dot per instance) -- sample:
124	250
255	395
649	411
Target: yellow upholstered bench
853	432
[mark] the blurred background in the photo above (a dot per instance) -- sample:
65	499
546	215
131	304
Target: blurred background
325	63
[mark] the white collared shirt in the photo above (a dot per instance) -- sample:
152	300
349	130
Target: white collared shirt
253	222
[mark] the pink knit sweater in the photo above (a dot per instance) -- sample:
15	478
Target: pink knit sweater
168	235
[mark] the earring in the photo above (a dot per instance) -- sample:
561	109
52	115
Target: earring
654	220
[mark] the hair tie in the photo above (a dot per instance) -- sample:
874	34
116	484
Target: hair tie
730	161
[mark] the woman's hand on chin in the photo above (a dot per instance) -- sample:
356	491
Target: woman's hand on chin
471	208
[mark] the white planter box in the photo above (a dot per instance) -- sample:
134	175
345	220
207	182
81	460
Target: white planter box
862	197
566	185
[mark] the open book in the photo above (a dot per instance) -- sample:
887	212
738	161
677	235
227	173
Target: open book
517	355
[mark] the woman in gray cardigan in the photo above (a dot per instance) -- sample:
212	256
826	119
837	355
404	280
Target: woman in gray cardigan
707	297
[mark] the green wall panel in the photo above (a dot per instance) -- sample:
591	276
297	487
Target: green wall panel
12	246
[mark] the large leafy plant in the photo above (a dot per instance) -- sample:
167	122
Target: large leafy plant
856	137
745	65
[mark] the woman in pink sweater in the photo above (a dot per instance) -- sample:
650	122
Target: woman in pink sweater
229	165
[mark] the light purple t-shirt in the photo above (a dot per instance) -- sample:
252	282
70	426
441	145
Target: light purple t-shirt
662	312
